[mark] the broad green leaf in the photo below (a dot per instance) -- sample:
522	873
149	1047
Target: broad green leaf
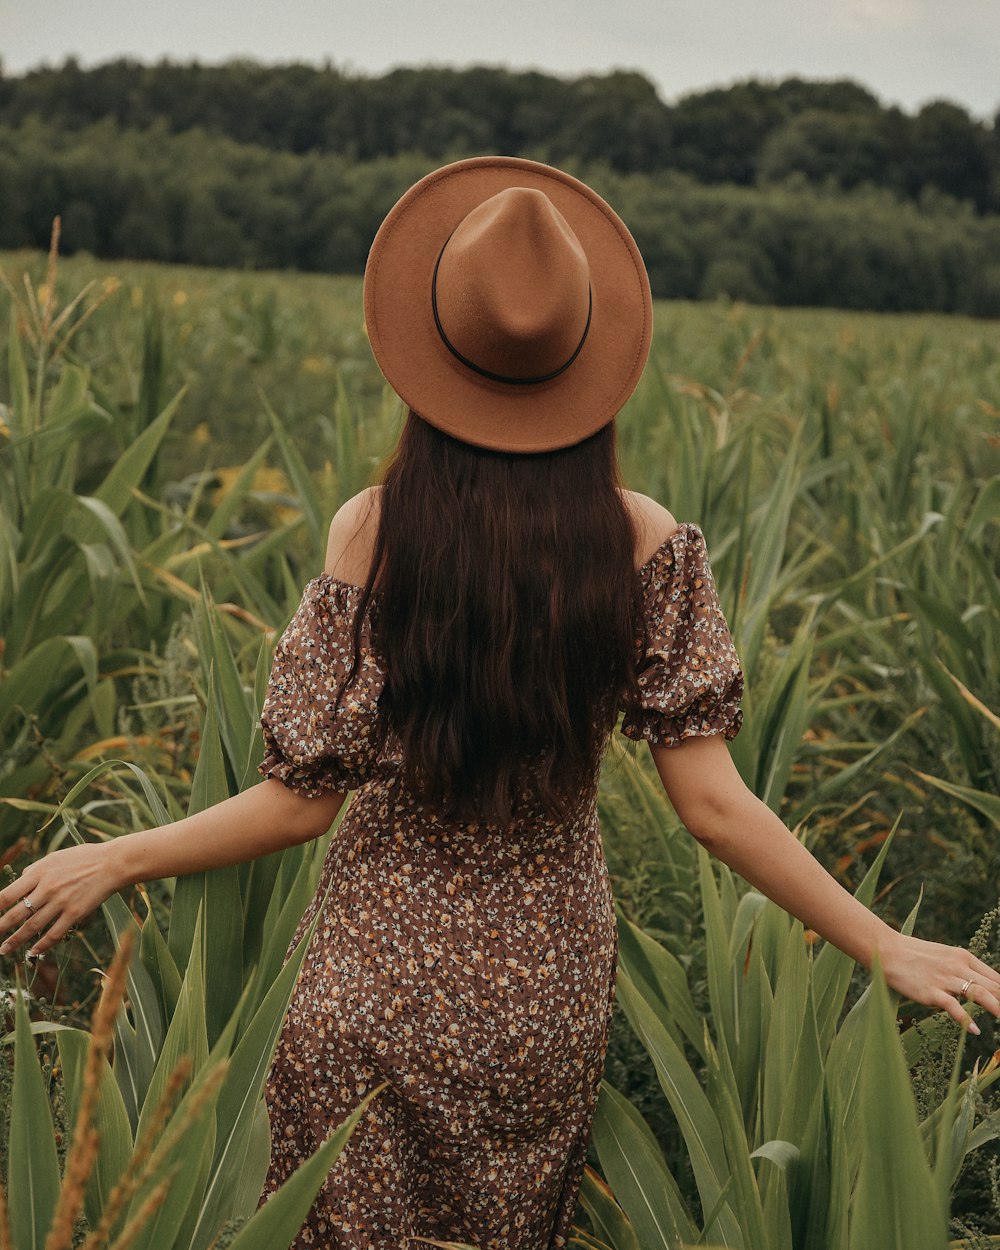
142	1042
767	552
276	1224
301	479
159	963
986	1130
832	969
959	1108
635	1167
186	1037
109	525
110	1120
236	495
985	509
214	894
248	1185
781	1153
695	1115
783	720
819	1181
896	1203
33	1178
788	1091
42	672
804	1083
659	973
745	1197
723	988
189	1159
609	1220
130	467
286	908
240	1098
980	800
232	707
20	389
68	398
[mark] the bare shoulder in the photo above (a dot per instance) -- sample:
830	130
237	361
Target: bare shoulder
653	524
351	542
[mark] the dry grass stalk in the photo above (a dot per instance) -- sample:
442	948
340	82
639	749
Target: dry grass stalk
83	1147
179	1129
130	1180
37	308
142	1217
148	1160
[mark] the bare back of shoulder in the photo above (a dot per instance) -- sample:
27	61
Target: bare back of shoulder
653	525
351	543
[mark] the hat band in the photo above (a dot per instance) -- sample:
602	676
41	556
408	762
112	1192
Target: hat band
500	377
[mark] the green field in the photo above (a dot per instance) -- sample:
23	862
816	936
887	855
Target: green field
846	471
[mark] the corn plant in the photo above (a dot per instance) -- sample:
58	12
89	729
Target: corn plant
844	473
802	1132
71	580
93	567
155	1185
206	998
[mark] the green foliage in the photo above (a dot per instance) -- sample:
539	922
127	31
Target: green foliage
801	1133
722	135
845	471
194	1162
799	193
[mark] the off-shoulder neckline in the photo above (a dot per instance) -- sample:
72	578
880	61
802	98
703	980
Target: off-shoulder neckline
685	528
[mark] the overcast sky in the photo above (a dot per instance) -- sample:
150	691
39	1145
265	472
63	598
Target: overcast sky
907	51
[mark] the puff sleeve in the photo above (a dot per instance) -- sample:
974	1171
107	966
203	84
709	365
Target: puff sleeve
690	679
313	742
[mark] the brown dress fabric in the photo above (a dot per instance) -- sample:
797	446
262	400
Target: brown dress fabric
470	966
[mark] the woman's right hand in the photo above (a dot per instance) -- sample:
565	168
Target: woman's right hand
62	888
940	976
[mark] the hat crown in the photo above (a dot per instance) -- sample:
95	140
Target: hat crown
511	290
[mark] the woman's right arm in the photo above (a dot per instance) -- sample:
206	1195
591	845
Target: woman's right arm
70	883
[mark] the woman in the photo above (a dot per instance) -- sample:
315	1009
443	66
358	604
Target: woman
482	618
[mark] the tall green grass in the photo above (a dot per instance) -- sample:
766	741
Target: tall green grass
168	466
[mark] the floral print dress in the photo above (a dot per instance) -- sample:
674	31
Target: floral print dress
470	967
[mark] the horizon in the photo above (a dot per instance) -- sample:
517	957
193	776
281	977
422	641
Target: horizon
348	70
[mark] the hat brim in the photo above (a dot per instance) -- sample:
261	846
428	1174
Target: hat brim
439	388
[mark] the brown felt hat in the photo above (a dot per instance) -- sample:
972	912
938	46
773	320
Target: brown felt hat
507	304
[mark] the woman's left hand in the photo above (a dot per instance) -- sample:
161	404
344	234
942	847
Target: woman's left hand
941	977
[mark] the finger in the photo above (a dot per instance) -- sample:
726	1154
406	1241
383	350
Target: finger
16	890
984	997
950	1004
54	934
984	971
19	912
35	923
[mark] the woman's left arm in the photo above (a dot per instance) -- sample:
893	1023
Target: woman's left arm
709	796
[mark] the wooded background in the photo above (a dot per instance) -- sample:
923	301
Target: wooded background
792	192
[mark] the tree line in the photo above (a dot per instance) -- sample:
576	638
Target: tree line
793	192
748	133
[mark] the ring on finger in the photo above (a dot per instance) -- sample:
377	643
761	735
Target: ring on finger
966	986
28	903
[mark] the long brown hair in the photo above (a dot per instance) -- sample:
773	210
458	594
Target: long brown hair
506	621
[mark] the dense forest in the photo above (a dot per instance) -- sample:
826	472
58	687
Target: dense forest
793	192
